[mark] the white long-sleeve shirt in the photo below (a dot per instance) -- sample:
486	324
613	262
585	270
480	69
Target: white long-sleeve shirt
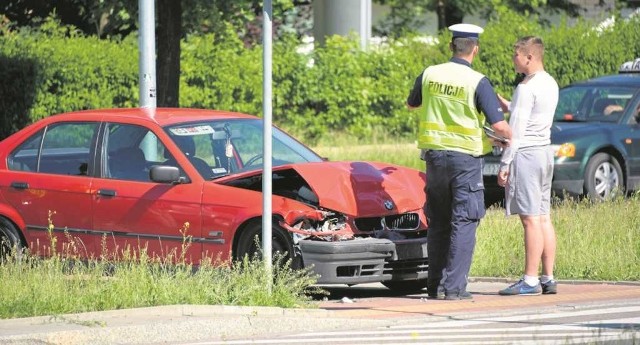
532	108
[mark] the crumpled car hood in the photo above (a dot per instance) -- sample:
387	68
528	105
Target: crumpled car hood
365	188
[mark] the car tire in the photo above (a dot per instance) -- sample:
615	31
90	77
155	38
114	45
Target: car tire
250	244
406	286
603	177
10	241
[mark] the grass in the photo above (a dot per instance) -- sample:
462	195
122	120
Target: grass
33	286
380	148
60	284
596	241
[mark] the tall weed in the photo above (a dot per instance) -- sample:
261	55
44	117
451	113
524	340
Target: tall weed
63	283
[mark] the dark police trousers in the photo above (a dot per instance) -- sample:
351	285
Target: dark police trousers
455	205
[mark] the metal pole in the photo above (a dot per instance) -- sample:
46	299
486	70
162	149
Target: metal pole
266	154
365	23
147	48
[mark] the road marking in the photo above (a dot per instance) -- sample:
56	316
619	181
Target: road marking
528	317
519	329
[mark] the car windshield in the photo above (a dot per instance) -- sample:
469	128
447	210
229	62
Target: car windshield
220	148
593	103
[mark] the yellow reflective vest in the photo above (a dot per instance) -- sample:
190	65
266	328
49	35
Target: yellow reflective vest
450	120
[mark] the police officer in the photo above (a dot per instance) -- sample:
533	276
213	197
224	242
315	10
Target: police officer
456	102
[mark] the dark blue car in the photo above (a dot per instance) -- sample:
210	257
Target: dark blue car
595	136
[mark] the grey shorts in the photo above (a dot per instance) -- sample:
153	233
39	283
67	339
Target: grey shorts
528	190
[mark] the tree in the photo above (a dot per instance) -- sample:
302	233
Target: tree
168	34
174	18
408	15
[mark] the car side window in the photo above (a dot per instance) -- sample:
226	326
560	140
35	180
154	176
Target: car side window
130	152
571	103
25	156
610	101
62	149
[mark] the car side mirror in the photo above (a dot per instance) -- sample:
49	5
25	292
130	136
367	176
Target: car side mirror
165	174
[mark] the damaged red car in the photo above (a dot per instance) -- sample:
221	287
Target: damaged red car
122	178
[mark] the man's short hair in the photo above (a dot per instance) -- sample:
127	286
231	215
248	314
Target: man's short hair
530	45
463	45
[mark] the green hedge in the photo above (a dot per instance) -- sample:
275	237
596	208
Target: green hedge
335	88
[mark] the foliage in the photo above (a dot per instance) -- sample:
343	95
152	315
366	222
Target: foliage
56	70
335	88
572	52
119	18
407	16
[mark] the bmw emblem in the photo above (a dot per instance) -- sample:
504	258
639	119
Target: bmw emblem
388	204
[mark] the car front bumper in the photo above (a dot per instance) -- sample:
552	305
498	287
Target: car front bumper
567	178
366	260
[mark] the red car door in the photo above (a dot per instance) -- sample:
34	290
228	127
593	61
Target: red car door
48	182
131	211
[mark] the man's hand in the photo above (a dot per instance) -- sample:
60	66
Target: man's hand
504	103
499	143
503	175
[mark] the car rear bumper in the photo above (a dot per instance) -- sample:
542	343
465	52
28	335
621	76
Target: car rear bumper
366	260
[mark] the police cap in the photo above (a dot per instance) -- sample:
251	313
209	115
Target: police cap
466	30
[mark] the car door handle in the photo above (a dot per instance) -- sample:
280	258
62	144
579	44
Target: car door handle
106	192
19	185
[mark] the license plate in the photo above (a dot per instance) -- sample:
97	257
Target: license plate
491	169
408	251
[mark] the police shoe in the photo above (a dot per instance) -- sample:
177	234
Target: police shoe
458	296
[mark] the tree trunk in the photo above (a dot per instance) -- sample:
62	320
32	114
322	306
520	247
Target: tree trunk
448	14
169	32
440	9
453	14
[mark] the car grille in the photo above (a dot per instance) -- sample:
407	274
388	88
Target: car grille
404	267
406	221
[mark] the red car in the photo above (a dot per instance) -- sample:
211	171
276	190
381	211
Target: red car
133	178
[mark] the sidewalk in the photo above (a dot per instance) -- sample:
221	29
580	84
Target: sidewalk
189	323
571	294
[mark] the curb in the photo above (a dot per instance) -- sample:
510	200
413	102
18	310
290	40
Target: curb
566	281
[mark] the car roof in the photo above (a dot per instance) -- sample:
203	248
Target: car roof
161	116
623	79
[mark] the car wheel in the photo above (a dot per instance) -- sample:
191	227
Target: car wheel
406	286
603	177
10	242
250	244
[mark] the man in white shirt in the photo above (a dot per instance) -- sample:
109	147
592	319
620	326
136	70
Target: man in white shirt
526	167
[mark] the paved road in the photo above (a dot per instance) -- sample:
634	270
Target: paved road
596	325
371	310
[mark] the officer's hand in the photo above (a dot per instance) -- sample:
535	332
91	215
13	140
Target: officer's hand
502	177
